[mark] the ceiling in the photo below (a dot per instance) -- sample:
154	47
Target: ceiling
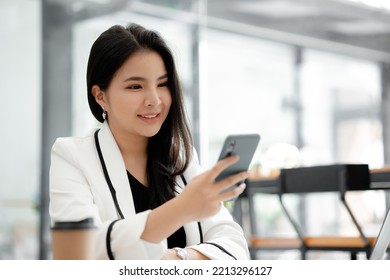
311	23
338	21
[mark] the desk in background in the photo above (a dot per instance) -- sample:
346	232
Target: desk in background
341	178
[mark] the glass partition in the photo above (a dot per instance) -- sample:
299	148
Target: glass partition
20	121
248	83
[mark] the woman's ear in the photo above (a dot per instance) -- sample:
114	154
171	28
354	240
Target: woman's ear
99	95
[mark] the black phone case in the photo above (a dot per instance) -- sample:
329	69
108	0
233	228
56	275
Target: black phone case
243	145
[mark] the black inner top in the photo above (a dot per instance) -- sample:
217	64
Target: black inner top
141	203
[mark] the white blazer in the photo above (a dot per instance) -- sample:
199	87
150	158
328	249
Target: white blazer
79	190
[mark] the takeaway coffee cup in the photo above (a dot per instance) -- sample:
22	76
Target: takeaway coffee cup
73	240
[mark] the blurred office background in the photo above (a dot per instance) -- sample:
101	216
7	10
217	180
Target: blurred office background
311	76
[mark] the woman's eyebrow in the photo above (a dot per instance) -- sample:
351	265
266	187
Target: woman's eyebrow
162	77
136	78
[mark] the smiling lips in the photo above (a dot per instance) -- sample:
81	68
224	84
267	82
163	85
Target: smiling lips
150	117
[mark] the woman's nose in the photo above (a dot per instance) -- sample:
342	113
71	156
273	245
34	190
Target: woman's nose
152	98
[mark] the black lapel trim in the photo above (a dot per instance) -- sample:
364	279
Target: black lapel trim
221	248
108	240
110	186
200	232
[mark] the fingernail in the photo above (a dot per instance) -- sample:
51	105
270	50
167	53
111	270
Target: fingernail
235	156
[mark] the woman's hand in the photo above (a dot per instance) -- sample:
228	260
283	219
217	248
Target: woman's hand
202	196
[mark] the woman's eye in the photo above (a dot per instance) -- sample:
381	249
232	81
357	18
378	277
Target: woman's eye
164	84
134	87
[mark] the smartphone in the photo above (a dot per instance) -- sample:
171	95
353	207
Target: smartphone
243	145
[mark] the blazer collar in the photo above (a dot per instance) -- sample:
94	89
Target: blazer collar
116	170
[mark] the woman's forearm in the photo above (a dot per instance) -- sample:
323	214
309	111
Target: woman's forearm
165	220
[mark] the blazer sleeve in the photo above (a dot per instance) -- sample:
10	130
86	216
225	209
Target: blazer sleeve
223	238
72	199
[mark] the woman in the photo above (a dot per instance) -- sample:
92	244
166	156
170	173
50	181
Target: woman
138	176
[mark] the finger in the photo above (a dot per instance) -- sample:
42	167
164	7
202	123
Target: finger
231	180
223	164
233	193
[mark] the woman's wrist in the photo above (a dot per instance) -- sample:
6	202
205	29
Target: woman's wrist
164	220
195	254
181	253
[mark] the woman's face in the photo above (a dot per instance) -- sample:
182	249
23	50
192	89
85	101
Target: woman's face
138	99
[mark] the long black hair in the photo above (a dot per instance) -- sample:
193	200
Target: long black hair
169	151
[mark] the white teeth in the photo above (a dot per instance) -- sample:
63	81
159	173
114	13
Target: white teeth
149	117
